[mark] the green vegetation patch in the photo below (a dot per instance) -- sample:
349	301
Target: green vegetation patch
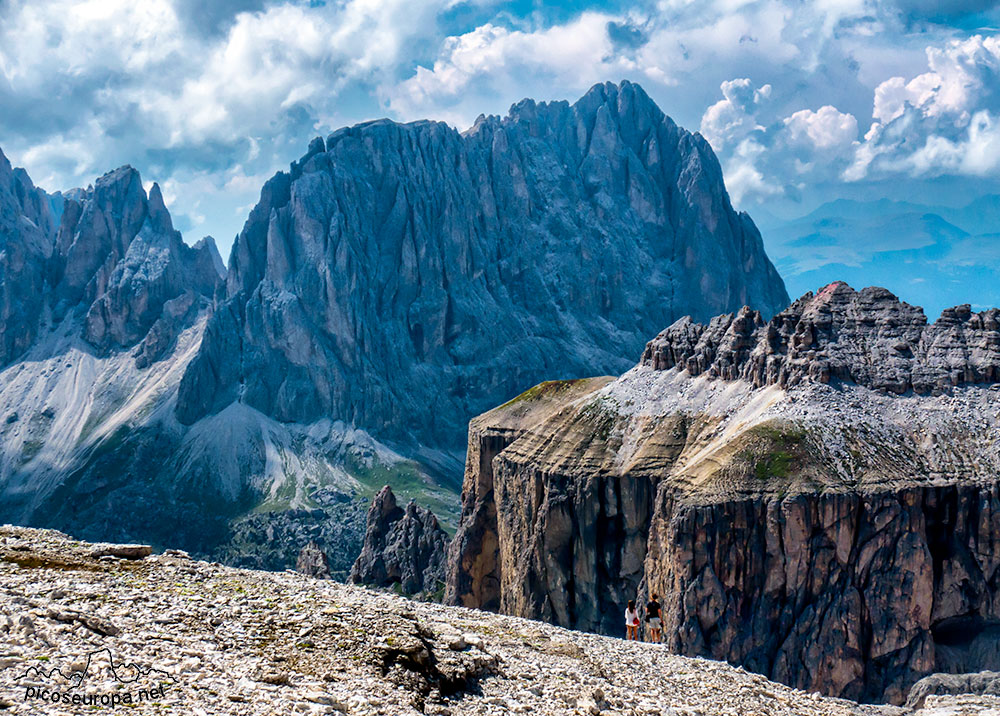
547	389
775	464
775	450
408	482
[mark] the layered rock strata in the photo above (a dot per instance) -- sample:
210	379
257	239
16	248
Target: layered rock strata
820	529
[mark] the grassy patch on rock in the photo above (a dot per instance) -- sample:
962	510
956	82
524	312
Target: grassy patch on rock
408	482
546	389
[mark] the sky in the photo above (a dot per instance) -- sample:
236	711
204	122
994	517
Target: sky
805	102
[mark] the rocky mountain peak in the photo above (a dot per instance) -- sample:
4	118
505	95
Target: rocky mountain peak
159	217
313	562
147	266
757	514
114	259
26	245
475	256
207	247
22	201
868	337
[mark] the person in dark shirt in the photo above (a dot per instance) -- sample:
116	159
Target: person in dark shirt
653	623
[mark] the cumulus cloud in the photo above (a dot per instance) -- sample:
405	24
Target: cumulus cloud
943	121
764	156
736	114
190	91
496	59
218	95
824	129
183	88
679	50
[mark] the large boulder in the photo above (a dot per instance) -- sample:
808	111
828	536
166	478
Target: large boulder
312	561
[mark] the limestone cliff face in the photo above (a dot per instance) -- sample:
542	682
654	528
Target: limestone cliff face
26	230
822	529
404	277
858	595
156	268
112	256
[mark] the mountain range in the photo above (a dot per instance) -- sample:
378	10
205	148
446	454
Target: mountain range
929	255
397	280
815	496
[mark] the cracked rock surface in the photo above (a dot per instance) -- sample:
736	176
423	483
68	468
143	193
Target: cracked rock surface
403	546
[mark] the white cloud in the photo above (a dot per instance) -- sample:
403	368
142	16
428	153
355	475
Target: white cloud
764	158
189	89
576	55
824	129
962	75
86	85
678	50
81	39
89	84
943	121
742	176
976	153
734	116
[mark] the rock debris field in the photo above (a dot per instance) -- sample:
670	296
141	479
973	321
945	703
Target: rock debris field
163	634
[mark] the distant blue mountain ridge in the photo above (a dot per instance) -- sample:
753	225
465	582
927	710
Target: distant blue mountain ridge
932	256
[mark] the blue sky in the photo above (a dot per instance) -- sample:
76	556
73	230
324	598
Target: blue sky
805	102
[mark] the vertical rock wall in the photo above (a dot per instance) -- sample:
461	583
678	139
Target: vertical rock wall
853	595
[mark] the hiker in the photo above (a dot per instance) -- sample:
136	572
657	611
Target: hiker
631	621
653	623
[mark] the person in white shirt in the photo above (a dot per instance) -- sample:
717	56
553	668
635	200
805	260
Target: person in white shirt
631	621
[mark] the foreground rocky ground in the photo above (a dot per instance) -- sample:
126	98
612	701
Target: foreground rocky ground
207	639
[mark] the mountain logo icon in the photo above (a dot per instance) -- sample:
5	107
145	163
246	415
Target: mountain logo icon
123	673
